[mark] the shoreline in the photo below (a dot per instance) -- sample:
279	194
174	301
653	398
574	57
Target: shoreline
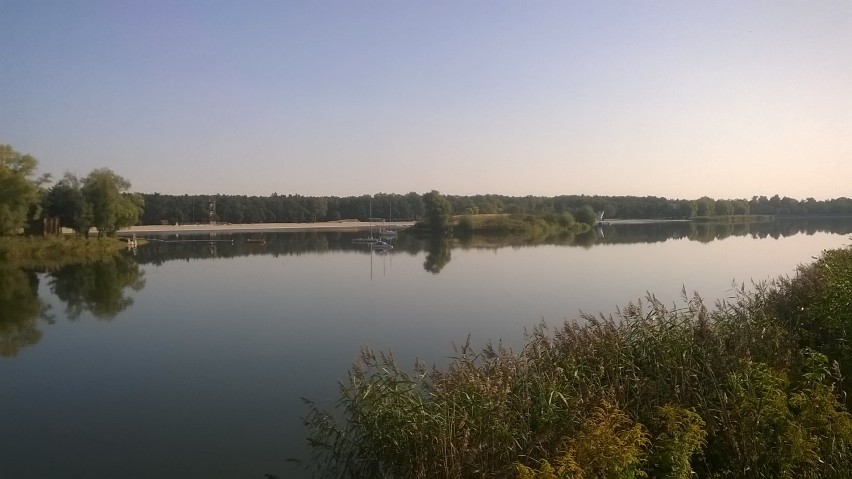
342	225
639	221
261	227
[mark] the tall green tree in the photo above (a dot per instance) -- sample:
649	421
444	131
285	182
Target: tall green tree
740	207
113	207
705	206
723	207
19	192
437	211
585	214
66	201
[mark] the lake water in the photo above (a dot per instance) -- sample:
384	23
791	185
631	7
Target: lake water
189	359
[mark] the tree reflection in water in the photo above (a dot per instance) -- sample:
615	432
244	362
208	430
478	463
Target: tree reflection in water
20	309
101	288
437	255
98	288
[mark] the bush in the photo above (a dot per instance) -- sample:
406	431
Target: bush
585	215
465	226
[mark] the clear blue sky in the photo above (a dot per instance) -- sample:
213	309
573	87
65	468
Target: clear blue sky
677	99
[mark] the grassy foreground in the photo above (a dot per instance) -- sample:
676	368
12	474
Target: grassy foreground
55	251
750	388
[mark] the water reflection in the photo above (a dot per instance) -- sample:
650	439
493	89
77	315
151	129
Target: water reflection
210	246
212	357
708	232
103	288
20	309
99	288
438	250
438	255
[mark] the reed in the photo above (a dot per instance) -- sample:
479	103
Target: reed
746	388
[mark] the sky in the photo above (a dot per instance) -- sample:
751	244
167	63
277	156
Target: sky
727	99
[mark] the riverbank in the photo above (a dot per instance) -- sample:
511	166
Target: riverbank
503	224
261	227
54	251
617	221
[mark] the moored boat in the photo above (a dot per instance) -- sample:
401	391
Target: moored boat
381	245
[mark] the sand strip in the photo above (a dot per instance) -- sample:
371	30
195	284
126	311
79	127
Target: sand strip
260	227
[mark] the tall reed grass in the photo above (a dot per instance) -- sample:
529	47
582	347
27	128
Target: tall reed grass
748	388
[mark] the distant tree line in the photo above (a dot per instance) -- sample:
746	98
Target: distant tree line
103	200
278	208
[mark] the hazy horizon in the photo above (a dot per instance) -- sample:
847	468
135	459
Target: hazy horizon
401	193
331	98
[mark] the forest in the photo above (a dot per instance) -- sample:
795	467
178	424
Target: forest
103	200
100	200
293	208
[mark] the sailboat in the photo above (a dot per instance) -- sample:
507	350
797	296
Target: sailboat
381	245
385	234
369	240
388	233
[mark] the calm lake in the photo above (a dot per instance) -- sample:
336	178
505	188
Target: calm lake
189	358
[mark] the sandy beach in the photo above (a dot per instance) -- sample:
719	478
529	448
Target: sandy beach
259	227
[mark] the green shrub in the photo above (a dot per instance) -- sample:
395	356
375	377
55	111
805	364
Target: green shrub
608	445
465	225
679	435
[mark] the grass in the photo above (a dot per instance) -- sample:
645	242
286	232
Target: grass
55	251
751	387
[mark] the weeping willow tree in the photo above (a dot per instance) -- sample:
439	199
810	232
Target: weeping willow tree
112	206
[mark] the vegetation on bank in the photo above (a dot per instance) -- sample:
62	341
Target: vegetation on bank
51	252
733	219
749	388
533	225
438	219
294	208
101	200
